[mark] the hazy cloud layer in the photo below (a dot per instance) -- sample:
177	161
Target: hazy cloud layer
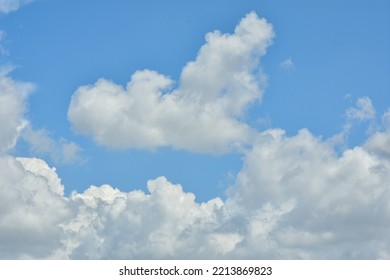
203	113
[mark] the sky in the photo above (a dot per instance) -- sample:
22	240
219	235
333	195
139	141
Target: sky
194	129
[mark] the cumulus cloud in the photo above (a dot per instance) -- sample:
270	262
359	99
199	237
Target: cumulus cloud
205	112
31	208
7	6
340	201
294	198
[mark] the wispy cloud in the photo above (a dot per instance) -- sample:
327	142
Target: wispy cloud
363	110
7	6
59	151
287	64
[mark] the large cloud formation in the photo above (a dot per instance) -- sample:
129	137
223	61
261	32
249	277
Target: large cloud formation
295	197
204	113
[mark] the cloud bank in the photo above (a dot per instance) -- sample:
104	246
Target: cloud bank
204	113
295	196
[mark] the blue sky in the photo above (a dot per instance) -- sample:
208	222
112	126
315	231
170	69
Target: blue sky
323	66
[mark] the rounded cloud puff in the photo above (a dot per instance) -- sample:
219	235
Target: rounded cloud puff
202	114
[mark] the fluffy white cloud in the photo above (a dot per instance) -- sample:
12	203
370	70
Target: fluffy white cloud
341	205
12	109
40	168
204	113
31	209
7	6
295	197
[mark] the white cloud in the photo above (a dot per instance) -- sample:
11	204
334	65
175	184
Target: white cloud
12	109
59	151
204	113
13	95
340	201
363	110
40	168
294	198
7	6
30	209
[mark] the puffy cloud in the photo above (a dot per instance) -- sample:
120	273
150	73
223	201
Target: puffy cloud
166	223
295	197
40	168
339	201
31	208
7	6
12	109
203	113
